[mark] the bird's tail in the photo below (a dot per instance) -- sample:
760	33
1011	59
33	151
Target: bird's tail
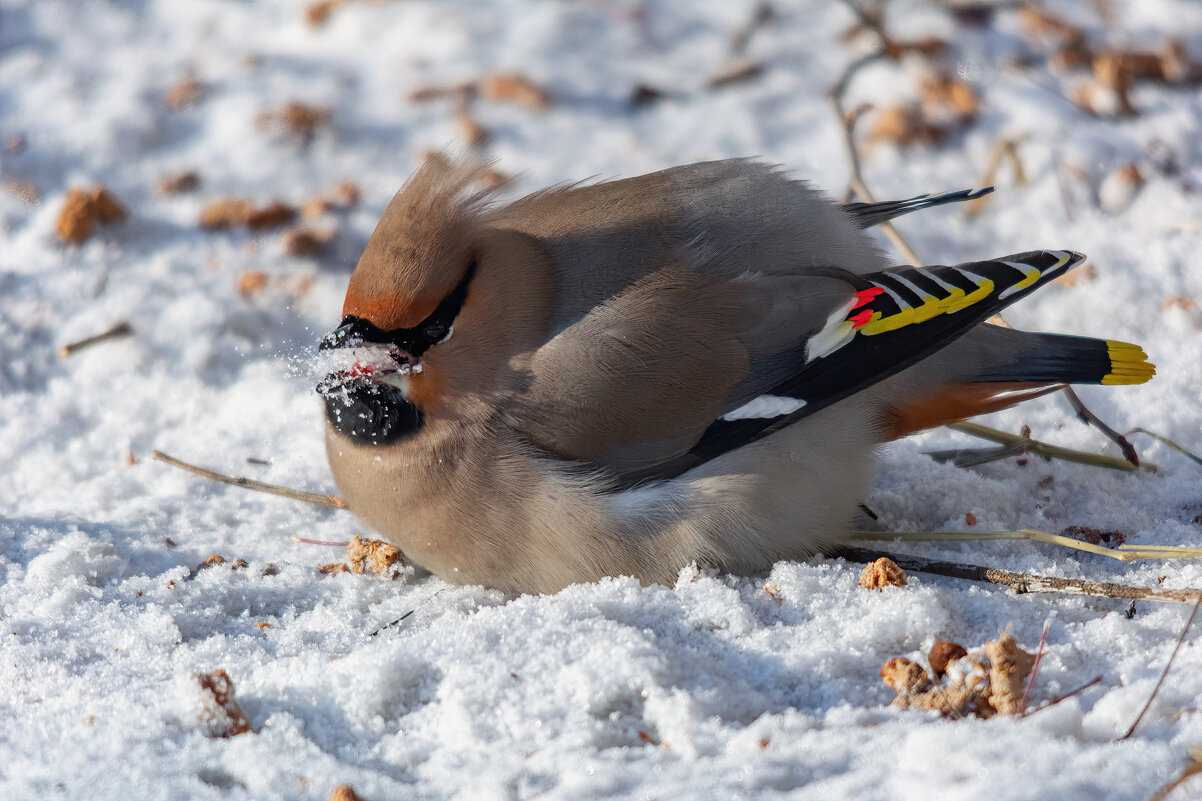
867	215
1059	359
1042	363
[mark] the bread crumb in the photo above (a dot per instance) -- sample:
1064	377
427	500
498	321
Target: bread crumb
179	183
516	89
983	682
334	567
185	93
225	213
220	714
884	572
943	653
344	792
905	125
272	215
297	119
904	675
305	241
83	210
252	282
1009	666
24	191
470	131
317	14
953	94
494	179
378	557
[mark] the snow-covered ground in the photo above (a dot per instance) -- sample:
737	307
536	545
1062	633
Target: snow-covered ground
714	688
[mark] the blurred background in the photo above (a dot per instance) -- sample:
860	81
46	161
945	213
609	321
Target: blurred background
185	186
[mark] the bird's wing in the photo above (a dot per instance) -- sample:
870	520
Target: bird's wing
682	367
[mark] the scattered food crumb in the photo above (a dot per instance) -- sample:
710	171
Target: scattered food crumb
334	567
644	95
943	652
970	519
1008	668
884	572
494	179
375	556
1095	536
983	682
306	241
904	675
905	126
344	792
24	191
516	89
187	92
83	210
297	119
252	282
272	215
179	183
470	131
225	213
317	14
221	715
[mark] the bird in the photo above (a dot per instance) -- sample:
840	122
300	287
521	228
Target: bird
626	377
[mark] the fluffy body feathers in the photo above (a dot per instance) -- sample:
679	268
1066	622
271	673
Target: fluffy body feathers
691	365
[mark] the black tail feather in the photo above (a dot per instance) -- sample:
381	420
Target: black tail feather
870	214
1060	359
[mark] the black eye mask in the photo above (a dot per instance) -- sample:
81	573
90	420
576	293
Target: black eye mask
414	341
373	413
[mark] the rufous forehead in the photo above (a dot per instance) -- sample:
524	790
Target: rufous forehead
387	311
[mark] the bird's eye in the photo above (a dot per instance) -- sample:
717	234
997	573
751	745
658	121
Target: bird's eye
436	332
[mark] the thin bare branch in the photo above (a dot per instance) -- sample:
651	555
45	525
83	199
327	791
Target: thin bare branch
1021	582
332	501
1059	698
1039	650
1124	553
121	329
1184	630
307	541
1048	451
1192	768
1166	441
740	40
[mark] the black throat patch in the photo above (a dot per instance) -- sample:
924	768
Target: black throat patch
370	413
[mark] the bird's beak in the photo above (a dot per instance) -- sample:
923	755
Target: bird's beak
344	336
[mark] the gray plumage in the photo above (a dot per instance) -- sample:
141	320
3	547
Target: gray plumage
643	373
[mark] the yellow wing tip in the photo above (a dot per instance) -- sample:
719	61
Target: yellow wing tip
1128	364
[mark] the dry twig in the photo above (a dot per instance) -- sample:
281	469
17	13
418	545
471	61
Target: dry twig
1047	450
1192	768
1124	553
1166	441
332	501
1167	665
121	329
1021	583
872	21
1059	698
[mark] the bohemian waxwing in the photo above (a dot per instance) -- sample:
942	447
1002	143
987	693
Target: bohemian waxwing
624	377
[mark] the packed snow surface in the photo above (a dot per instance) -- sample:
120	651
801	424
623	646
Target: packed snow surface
720	687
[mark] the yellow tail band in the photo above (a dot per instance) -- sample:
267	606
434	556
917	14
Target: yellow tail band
1128	364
